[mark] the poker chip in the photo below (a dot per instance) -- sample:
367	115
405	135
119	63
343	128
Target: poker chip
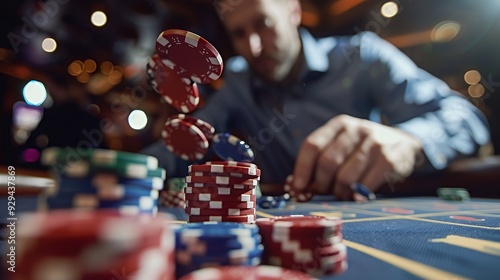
304	196
269	202
97	157
172	199
184	140
215	190
236	219
221	180
207	129
237	187
189	55
231	148
225	169
262	272
92	245
179	92
288	244
213	244
220	204
111	191
80	169
107	179
104	179
176	184
218	197
232	175
232	163
219	212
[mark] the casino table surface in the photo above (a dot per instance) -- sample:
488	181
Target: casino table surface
411	238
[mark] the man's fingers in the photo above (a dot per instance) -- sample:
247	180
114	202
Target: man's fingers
353	169
331	158
308	153
376	176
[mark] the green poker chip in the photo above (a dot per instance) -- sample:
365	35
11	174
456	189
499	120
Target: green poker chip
453	194
176	184
80	169
97	157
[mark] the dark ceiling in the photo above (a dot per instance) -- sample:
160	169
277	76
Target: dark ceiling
127	40
128	37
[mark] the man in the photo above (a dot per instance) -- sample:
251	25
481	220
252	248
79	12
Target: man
304	105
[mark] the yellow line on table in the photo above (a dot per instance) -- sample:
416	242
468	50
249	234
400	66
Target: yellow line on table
451	223
262	214
410	266
483	246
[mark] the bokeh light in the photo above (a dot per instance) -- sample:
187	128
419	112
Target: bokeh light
34	93
137	119
445	31
472	77
476	90
98	18
49	45
389	9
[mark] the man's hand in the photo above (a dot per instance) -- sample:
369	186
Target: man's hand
349	150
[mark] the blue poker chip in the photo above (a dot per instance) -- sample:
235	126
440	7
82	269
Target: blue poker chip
210	230
270	202
119	192
71	186
143	202
230	257
219	245
231	148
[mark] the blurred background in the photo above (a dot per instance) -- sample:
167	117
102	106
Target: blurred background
72	73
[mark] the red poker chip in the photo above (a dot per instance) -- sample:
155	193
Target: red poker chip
261	272
236	187
235	219
179	92
221	180
316	267
322	227
220	204
232	163
324	237
219	190
184	140
224	169
232	175
218	197
189	55
219	212
204	126
321	246
303	196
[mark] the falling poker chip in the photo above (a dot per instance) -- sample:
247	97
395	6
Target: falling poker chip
204	126
231	148
189	55
184	140
179	92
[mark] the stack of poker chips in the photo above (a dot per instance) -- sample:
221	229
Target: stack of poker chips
173	196
311	244
213	244
262	272
223	191
96	179
93	245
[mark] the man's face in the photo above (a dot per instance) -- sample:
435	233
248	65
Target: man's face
265	33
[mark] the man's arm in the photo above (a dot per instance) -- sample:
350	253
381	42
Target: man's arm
427	117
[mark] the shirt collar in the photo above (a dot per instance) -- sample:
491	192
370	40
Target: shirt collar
316	51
